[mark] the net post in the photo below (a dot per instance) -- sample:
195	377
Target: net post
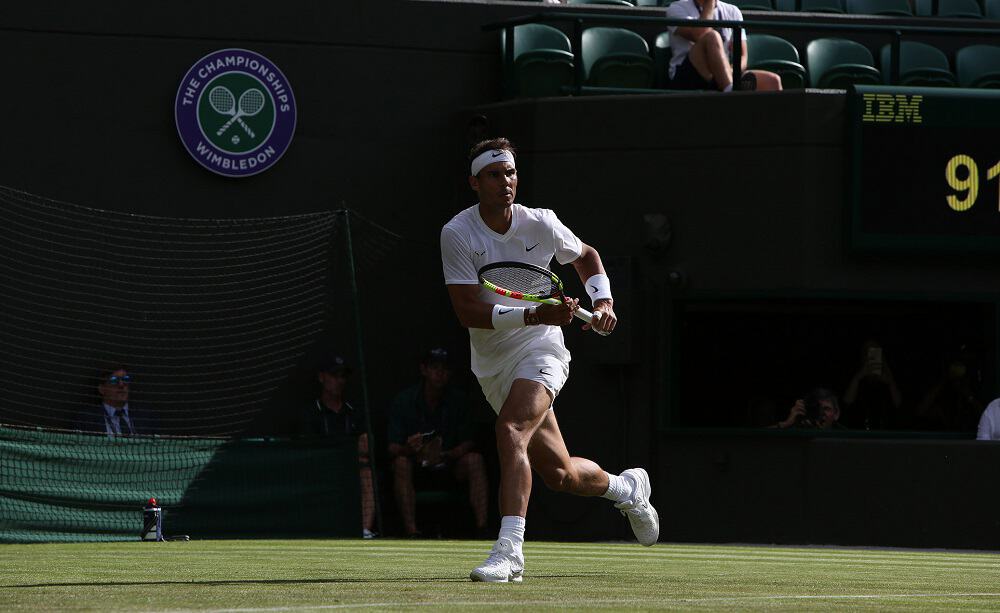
356	296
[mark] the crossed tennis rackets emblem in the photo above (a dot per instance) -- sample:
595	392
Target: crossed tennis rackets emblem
223	102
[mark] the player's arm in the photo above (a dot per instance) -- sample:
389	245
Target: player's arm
474	313
595	281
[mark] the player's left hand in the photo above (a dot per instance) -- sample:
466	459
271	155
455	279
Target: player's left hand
608	319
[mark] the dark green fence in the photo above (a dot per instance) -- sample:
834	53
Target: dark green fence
83	487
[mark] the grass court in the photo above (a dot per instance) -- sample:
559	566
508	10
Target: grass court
384	574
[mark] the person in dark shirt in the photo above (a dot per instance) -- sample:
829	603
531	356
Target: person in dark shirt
331	416
872	397
429	432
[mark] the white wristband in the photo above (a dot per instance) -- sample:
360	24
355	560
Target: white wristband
508	317
598	288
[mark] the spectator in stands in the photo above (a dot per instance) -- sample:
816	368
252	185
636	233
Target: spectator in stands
819	409
989	422
429	436
952	403
115	417
330	415
872	396
701	54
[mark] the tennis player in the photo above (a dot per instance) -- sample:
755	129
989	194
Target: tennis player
519	356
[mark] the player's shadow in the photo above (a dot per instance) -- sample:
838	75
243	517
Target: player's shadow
451	579
236	582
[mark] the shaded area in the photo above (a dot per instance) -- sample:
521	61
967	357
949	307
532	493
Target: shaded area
79	487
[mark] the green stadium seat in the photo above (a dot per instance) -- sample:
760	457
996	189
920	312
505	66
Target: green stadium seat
965	9
993	9
543	61
978	66
920	65
754	5
615	57
835	63
958	9
897	8
647	3
612	2
768	52
810	6
661	59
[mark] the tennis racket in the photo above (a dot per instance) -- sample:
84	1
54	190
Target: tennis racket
529	282
251	102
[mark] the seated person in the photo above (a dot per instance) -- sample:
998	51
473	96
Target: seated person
819	409
952	403
114	416
989	423
701	54
428	431
330	415
872	396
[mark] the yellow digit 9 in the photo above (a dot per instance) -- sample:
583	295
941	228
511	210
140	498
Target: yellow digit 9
970	184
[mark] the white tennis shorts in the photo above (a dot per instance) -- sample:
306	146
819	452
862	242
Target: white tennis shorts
545	368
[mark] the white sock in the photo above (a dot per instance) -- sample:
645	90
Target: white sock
728	88
512	527
619	488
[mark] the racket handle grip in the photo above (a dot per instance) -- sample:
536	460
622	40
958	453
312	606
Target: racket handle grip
587	316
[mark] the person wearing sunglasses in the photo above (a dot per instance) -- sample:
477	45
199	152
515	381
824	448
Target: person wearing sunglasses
114	417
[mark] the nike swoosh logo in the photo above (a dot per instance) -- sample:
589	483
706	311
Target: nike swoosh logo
532	247
542	370
480	253
496	154
595	289
507	311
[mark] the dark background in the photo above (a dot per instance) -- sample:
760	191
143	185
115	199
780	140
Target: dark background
753	186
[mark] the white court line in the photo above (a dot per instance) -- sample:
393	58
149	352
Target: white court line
591	602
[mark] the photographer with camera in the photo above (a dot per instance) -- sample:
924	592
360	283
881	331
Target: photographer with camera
819	409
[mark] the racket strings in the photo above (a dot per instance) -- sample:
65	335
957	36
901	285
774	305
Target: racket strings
251	102
221	100
523	281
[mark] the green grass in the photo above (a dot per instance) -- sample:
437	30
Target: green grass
433	575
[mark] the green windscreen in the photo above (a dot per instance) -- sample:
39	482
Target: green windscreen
58	486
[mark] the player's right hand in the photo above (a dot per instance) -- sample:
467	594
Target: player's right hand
557	314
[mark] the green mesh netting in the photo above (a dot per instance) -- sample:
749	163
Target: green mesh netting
81	487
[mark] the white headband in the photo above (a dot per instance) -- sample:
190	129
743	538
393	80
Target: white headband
490	156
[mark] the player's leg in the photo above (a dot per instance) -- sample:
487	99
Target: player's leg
471	469
523	409
560	471
521	414
406	499
629	491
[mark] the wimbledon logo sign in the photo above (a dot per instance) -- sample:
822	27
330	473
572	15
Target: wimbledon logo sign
235	112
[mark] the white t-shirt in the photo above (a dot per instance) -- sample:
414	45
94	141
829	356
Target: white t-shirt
687	9
535	237
989	423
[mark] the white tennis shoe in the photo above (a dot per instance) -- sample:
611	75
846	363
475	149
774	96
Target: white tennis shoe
643	518
505	563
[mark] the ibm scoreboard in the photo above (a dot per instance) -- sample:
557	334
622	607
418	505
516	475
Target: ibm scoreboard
924	169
